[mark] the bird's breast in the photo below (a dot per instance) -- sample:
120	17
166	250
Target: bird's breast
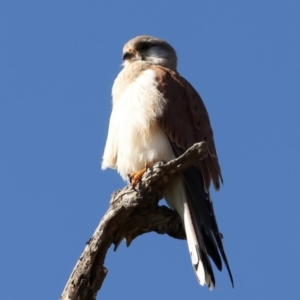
139	138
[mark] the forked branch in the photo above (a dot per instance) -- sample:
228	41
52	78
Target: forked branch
132	212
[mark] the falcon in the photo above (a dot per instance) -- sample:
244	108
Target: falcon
157	115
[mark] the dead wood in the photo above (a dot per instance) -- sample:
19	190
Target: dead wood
132	212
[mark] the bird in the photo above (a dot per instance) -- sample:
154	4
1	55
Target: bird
157	115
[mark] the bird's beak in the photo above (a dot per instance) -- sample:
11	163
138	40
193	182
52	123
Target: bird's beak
131	54
127	56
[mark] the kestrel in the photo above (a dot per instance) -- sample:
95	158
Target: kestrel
157	115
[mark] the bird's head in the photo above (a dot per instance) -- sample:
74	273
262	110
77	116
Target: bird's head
150	49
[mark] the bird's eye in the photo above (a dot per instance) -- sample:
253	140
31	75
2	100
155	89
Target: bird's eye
144	46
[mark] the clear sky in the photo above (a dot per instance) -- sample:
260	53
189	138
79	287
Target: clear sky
58	60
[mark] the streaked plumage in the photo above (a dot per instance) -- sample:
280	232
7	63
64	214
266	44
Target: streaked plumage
157	115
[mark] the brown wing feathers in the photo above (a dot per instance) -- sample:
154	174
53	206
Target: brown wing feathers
186	122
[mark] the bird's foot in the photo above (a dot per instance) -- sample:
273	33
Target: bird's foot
135	177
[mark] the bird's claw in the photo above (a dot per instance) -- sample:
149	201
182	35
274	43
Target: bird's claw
135	177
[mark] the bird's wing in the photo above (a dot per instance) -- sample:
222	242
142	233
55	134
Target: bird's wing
185	121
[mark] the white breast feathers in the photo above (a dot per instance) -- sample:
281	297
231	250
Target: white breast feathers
134	136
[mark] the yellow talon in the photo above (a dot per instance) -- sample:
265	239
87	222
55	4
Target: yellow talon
135	177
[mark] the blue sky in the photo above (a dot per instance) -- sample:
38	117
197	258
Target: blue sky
58	60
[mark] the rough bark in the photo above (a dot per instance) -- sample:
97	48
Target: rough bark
132	212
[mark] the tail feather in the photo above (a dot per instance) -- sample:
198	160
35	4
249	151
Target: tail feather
189	197
178	198
201	205
197	247
193	246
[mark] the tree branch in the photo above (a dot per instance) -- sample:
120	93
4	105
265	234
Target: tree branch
132	212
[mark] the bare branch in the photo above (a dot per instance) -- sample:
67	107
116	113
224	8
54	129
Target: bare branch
132	212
